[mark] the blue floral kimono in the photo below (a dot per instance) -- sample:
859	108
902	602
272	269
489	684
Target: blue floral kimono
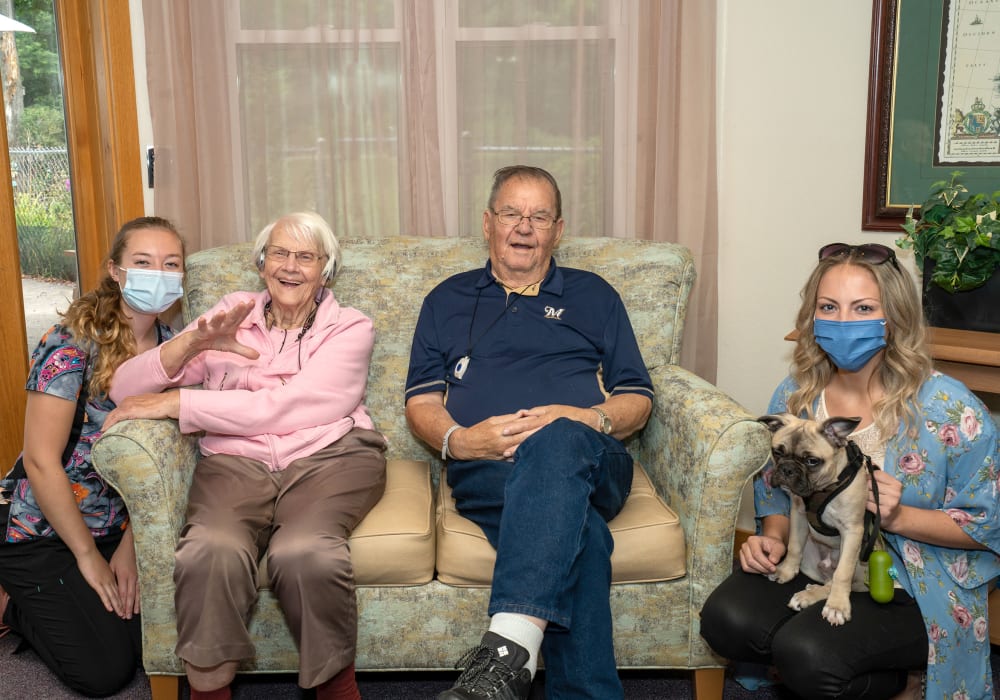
950	463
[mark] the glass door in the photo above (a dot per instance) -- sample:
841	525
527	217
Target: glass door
94	40
39	168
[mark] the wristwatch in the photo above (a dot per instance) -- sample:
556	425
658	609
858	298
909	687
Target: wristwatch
605	422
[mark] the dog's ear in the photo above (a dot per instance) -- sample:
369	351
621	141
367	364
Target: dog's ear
837	429
774	423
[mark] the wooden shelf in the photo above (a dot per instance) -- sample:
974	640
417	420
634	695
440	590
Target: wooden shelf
972	357
972	347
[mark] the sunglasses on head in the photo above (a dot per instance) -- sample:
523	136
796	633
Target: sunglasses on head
872	253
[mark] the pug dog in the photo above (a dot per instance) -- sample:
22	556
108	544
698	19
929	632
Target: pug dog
809	459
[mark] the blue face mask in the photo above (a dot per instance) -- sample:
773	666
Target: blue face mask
850	344
152	291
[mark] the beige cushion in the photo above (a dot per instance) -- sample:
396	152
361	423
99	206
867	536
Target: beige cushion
649	541
394	544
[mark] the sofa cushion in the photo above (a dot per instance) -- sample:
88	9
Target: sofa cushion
649	541
394	544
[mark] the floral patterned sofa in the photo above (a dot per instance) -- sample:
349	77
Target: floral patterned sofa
699	448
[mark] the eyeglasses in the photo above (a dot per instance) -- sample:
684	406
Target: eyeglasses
539	222
306	258
872	253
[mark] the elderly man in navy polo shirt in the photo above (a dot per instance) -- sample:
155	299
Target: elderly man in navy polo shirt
527	376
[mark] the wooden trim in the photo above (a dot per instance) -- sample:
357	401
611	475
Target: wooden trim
13	342
102	127
972	357
164	687
994	616
738	540
709	683
972	347
876	215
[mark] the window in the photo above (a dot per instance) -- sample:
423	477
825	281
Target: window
327	91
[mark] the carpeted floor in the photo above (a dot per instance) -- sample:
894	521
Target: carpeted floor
24	677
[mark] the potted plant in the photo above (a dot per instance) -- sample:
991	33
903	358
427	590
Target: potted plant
956	243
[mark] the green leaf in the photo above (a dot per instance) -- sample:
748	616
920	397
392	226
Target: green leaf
958	231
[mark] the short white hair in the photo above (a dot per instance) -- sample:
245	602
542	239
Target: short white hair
308	227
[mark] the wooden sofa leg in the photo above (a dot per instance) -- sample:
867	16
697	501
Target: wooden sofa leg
166	687
709	683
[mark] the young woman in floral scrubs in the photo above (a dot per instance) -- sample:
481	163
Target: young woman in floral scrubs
68	582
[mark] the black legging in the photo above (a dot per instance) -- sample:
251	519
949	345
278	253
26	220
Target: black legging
61	617
747	618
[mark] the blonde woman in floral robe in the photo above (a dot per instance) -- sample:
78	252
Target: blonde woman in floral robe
937	446
950	463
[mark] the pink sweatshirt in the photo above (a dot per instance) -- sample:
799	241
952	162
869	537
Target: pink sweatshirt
268	409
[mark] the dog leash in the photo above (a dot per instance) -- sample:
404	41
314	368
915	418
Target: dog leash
873	521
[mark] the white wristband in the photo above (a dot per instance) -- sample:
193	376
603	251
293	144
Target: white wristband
444	440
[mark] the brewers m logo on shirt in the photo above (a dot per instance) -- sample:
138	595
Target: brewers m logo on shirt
553	313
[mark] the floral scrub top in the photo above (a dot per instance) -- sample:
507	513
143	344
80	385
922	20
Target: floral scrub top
60	367
950	463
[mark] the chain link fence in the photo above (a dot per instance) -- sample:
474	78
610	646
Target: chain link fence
43	208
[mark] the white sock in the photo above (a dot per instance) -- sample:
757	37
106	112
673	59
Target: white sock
521	630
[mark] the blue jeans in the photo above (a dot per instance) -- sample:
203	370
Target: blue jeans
546	514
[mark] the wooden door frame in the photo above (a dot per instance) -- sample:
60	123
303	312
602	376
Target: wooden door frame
102	128
95	49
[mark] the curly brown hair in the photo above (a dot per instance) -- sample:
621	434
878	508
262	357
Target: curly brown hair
97	320
905	365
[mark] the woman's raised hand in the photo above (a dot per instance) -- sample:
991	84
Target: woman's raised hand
219	331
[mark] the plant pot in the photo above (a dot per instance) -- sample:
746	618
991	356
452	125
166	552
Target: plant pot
974	310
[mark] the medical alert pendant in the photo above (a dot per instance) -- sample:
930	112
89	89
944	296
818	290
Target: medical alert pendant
460	367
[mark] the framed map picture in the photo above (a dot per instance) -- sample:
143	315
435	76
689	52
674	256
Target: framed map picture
933	103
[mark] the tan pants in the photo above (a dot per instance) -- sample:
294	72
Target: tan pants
302	517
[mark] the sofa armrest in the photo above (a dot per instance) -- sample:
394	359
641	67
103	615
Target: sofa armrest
700	447
150	463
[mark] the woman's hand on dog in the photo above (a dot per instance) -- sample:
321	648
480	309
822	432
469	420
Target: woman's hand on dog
760	554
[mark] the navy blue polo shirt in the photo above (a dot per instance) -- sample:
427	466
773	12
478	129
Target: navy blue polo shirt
524	351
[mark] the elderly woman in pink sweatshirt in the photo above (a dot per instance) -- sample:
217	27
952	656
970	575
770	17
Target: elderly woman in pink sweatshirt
290	459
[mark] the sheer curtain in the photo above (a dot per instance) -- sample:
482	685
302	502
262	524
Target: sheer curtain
388	117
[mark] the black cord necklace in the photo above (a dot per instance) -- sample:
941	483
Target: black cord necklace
463	364
306	325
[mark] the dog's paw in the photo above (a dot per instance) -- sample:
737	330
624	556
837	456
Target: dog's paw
836	616
810	595
784	573
837	610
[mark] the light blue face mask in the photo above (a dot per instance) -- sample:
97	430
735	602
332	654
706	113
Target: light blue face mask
151	291
850	344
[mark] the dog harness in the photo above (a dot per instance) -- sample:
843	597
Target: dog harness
819	500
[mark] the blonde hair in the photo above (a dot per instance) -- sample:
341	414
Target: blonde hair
906	364
97	320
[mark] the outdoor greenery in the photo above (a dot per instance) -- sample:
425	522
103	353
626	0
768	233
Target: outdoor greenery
41	124
43	206
45	236
957	230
